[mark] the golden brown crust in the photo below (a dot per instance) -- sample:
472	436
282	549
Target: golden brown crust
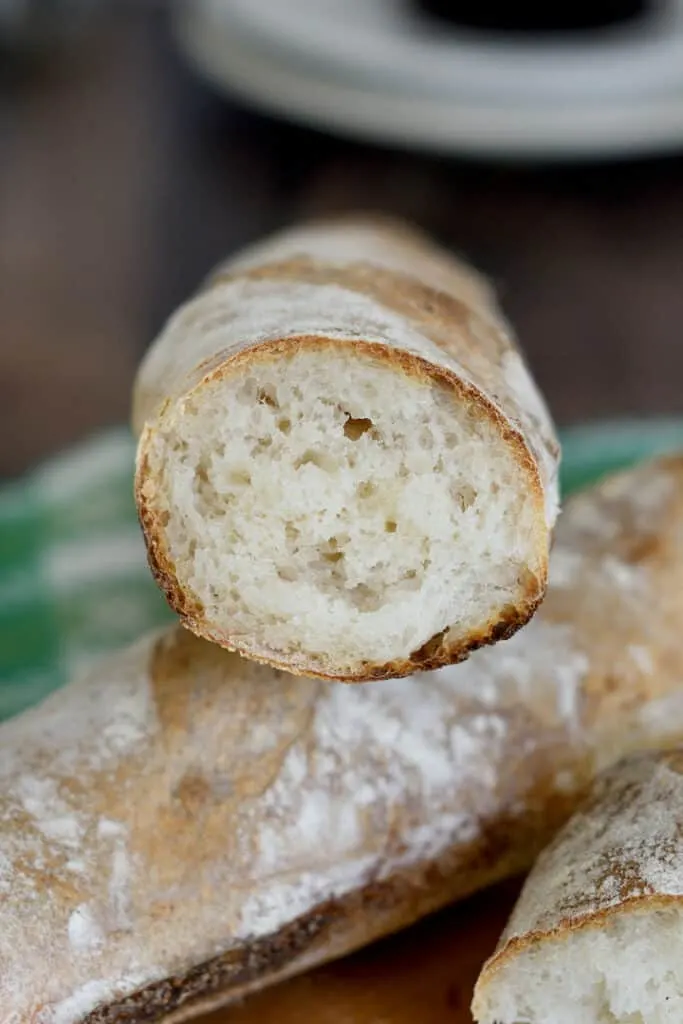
432	654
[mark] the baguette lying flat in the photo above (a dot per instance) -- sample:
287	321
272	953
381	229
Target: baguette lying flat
183	826
597	934
423	975
345	468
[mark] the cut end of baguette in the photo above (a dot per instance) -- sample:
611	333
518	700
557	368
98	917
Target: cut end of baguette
629	970
330	512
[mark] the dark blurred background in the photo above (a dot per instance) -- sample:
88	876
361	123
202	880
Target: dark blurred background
123	177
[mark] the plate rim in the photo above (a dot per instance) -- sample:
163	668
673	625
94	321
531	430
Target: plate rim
269	82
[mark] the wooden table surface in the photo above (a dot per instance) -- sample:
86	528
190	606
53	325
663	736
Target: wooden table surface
122	178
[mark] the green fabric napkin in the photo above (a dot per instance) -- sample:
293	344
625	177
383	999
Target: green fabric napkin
73	577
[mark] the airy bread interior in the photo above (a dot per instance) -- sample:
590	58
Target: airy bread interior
324	502
627	971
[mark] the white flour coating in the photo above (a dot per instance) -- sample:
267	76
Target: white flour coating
313	812
116	728
344	244
264	910
119	887
541	648
108	829
348	784
41	800
625	577
85	930
642	658
647	502
625	843
87	998
589	518
6	873
243	313
45	822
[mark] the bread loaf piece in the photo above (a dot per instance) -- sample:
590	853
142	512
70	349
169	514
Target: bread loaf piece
423	975
597	934
344	466
182	826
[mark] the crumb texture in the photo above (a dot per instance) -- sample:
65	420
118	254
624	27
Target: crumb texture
338	510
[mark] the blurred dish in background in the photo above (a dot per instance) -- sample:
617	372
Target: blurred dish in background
530	16
380	70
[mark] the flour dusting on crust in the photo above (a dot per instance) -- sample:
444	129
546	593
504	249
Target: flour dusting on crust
180	803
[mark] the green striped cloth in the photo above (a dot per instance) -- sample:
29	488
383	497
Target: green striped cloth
73	576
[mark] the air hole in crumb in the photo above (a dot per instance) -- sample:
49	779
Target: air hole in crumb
426	440
429	650
266	396
333	556
365	489
313	458
355	428
390	526
364	598
240	477
284	426
286	573
466	497
410	581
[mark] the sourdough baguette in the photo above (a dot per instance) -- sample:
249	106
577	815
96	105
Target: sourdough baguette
344	467
597	934
182	826
423	975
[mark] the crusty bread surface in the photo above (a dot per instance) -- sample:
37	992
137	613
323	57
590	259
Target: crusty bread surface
345	468
597	934
182	826
423	975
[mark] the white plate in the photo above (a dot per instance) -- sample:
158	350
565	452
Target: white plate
383	41
358	67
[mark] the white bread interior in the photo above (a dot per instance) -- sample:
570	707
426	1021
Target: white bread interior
627	971
339	508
